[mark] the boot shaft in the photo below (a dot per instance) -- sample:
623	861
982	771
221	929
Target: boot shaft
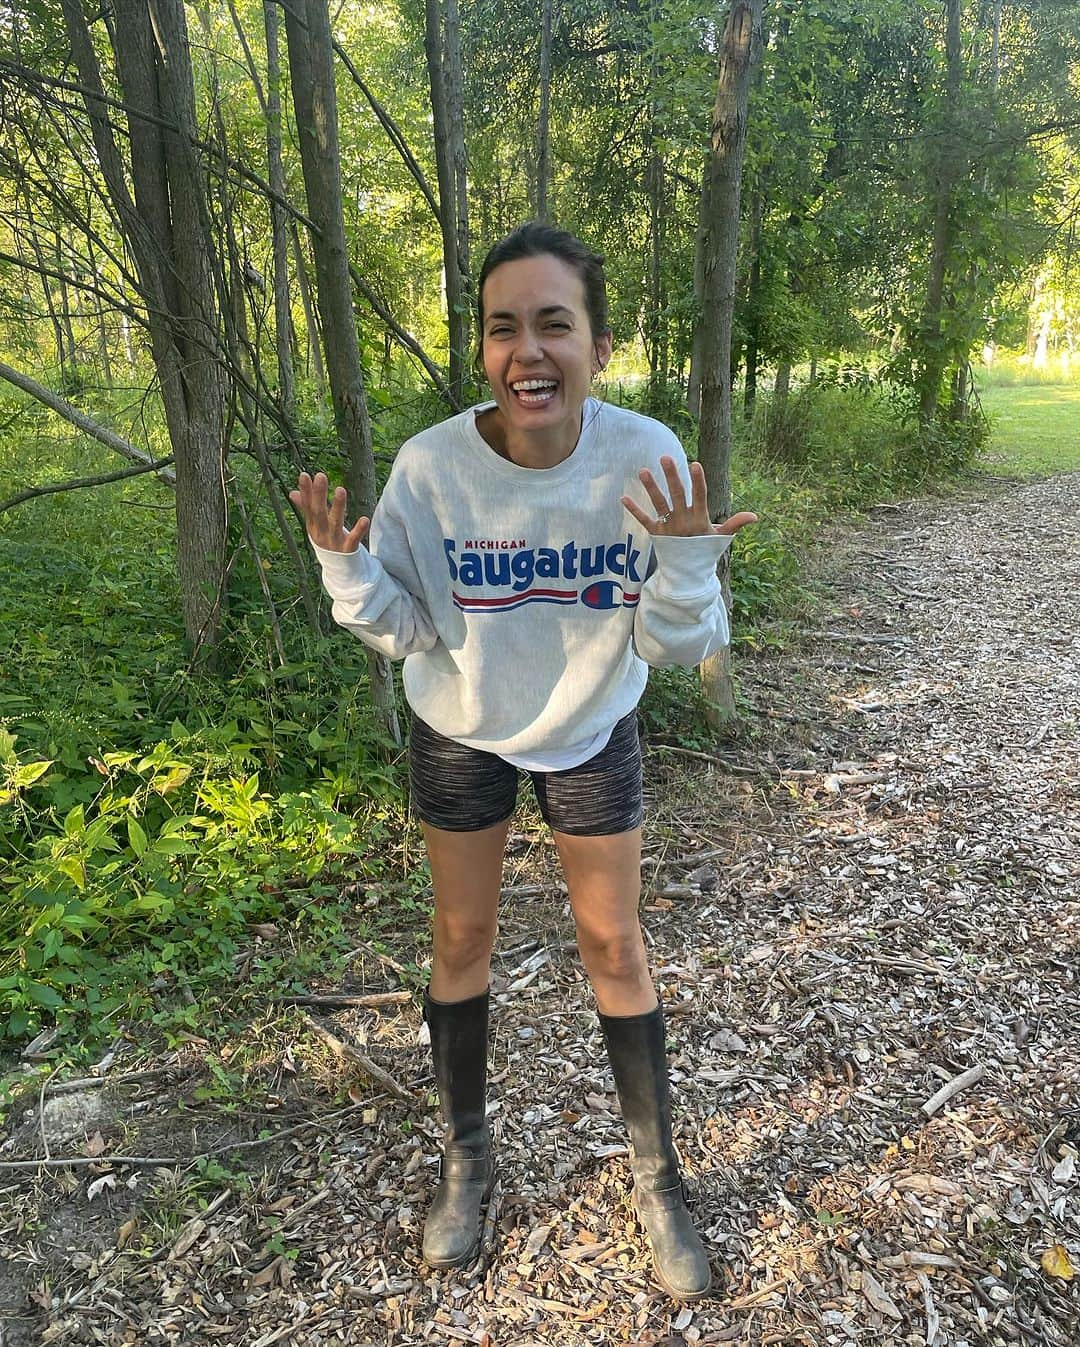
459	1043
637	1051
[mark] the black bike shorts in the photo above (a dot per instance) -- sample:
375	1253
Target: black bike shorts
464	789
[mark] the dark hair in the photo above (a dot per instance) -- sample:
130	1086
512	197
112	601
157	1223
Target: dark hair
533	239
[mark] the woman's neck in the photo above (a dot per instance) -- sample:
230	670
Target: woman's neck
543	449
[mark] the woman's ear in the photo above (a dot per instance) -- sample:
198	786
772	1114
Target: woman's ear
601	352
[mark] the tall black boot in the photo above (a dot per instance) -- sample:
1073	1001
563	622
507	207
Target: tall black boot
459	1040
635	1045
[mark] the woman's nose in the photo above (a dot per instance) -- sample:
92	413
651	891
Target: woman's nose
528	346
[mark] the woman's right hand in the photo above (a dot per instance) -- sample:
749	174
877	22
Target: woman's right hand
326	525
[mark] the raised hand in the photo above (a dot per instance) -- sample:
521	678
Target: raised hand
326	526
676	518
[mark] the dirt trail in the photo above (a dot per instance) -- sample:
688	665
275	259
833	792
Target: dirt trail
874	897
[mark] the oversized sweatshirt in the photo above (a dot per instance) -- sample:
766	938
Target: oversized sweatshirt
528	603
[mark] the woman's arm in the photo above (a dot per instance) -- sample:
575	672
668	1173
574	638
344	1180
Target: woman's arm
681	617
376	595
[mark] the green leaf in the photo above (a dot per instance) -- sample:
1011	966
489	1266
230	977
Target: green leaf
29	772
44	995
137	836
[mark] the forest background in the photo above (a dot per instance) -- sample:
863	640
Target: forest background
238	240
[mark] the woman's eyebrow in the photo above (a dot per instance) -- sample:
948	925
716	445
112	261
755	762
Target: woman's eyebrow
543	313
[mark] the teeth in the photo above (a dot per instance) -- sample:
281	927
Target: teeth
527	385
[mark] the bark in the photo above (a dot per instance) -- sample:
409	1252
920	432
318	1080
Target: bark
740	47
165	227
445	120
933	354
307	28
543	123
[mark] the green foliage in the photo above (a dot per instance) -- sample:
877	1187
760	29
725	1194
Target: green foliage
150	819
857	438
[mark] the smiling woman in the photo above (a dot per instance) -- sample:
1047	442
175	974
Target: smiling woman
529	566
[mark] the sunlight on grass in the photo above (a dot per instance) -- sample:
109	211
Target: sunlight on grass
1036	429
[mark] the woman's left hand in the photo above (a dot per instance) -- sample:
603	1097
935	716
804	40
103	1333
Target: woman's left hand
676	518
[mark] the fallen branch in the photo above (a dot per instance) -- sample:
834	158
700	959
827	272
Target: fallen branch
345	1000
357	1058
76	483
952	1087
81	421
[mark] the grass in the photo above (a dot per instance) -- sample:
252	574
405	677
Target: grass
1036	428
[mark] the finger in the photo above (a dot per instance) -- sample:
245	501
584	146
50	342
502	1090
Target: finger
700	501
638	513
659	500
337	511
676	490
355	535
737	521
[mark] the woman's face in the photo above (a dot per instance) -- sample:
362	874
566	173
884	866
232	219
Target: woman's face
538	349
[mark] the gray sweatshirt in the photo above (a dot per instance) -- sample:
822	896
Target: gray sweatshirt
528	603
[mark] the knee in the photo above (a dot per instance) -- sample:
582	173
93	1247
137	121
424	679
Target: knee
461	944
614	955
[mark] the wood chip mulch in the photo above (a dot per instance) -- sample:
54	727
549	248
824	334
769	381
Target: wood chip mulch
864	919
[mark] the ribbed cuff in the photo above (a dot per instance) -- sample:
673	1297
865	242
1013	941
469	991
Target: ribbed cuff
686	567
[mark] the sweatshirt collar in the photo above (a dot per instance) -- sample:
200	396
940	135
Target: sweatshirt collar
503	467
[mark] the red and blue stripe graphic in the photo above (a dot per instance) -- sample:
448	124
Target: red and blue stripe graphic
467	604
600	595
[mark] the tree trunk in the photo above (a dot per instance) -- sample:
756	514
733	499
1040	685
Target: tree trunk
166	229
278	219
753	304
311	317
543	125
740	47
444	121
933	353
693	386
307	28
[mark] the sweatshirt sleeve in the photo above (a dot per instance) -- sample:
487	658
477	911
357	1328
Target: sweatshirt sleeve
681	616
377	594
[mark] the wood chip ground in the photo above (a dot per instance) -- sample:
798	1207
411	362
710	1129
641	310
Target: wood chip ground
864	923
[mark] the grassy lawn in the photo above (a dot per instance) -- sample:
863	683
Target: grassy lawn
1036	428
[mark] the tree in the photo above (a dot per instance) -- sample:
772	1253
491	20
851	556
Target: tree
442	44
311	66
165	226
719	244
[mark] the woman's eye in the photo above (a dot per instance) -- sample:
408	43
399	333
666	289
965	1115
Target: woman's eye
560	327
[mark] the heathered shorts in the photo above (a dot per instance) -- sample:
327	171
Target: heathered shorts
464	789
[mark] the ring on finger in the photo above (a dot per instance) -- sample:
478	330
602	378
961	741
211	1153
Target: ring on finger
662	519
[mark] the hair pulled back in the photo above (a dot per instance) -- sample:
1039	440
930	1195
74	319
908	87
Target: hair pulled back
534	238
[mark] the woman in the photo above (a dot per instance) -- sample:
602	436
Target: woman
529	559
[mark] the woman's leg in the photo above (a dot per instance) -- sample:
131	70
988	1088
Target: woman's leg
464	799
466	872
466	877
603	876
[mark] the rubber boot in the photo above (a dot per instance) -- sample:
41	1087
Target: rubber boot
635	1045
459	1036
